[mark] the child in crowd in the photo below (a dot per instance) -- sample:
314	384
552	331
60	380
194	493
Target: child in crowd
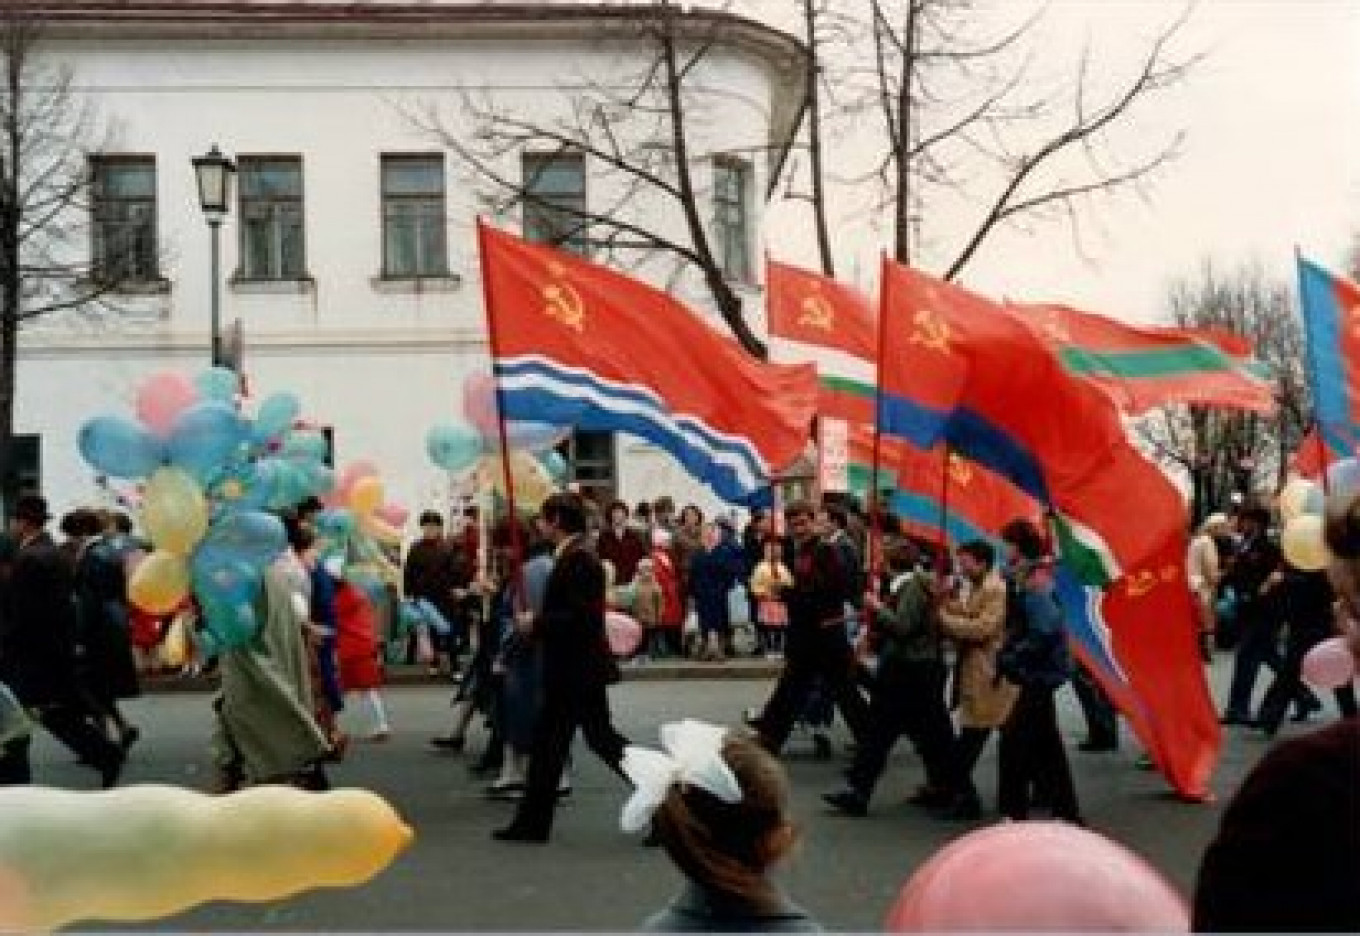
769	581
725	825
649	605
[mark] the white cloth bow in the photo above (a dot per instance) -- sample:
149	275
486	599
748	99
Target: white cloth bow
692	757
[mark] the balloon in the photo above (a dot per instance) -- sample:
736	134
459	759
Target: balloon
218	383
320	478
305	445
1294	497
162	397
248	535
221	580
205	438
1316	501
275	416
352	474
395	514
174	511
1330	665
479	403
382	531
1302	543
534	436
120	448
366	496
159	583
623	633
1036	876
453	447
556	466
532	484
335	525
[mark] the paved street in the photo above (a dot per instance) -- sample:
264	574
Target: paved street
592	877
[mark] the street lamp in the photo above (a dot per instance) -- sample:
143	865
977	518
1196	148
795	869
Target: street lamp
214	172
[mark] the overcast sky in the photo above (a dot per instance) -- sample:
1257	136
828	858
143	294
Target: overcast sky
1269	162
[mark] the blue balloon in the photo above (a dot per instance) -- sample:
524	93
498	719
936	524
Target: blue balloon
276	416
230	625
120	448
304	445
532	436
219	384
250	536
453	447
320	478
205	439
335	524
221	580
556	466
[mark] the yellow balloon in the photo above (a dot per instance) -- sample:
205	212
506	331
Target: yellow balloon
1294	497
1303	545
159	583
382	531
366	496
146	852
174	511
532	483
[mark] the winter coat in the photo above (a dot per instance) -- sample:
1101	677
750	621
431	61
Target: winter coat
977	626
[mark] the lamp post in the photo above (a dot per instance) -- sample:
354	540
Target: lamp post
214	172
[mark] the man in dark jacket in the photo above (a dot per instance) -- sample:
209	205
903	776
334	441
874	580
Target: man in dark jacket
817	643
577	669
38	642
908	691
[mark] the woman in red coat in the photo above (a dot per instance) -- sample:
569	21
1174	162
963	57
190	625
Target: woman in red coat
667	636
358	652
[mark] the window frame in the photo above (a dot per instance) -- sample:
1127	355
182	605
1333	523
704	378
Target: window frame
385	199
100	266
579	243
243	275
744	172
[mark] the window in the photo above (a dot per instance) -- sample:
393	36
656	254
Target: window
594	468
271	218
731	189
413	216
557	182
124	200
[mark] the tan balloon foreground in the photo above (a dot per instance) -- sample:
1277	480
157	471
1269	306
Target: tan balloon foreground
146	852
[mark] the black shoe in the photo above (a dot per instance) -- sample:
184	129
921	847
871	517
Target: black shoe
111	771
653	840
848	801
821	746
453	743
1094	744
518	833
512	790
1235	718
129	737
1305	710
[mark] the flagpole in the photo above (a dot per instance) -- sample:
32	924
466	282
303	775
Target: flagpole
944	513
1312	373
516	569
875	497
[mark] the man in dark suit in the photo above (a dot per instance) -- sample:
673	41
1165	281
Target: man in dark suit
577	669
38	643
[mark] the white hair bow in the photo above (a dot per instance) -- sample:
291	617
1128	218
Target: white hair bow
692	756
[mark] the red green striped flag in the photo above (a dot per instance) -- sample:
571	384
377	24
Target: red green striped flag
1143	367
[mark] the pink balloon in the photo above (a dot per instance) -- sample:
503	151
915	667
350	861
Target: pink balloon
1037	876
479	404
162	397
1329	665
393	514
624	633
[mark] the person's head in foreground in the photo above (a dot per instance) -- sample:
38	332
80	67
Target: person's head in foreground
717	802
1036	876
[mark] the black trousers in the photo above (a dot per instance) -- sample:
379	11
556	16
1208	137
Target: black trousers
1032	755
1102	720
565	708
907	698
964	757
824	652
73	723
14	764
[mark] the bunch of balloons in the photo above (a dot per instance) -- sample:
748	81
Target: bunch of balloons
535	469
1301	503
212	474
359	490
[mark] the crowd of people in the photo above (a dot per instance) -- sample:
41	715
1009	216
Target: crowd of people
946	649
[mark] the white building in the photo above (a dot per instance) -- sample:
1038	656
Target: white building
348	256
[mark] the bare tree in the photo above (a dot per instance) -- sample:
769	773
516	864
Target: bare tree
638	131
958	107
46	264
1226	451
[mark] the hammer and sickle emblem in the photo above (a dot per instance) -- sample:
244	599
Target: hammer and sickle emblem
1140	583
562	302
931	331
817	313
960	470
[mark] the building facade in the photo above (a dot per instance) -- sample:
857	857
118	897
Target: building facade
348	257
